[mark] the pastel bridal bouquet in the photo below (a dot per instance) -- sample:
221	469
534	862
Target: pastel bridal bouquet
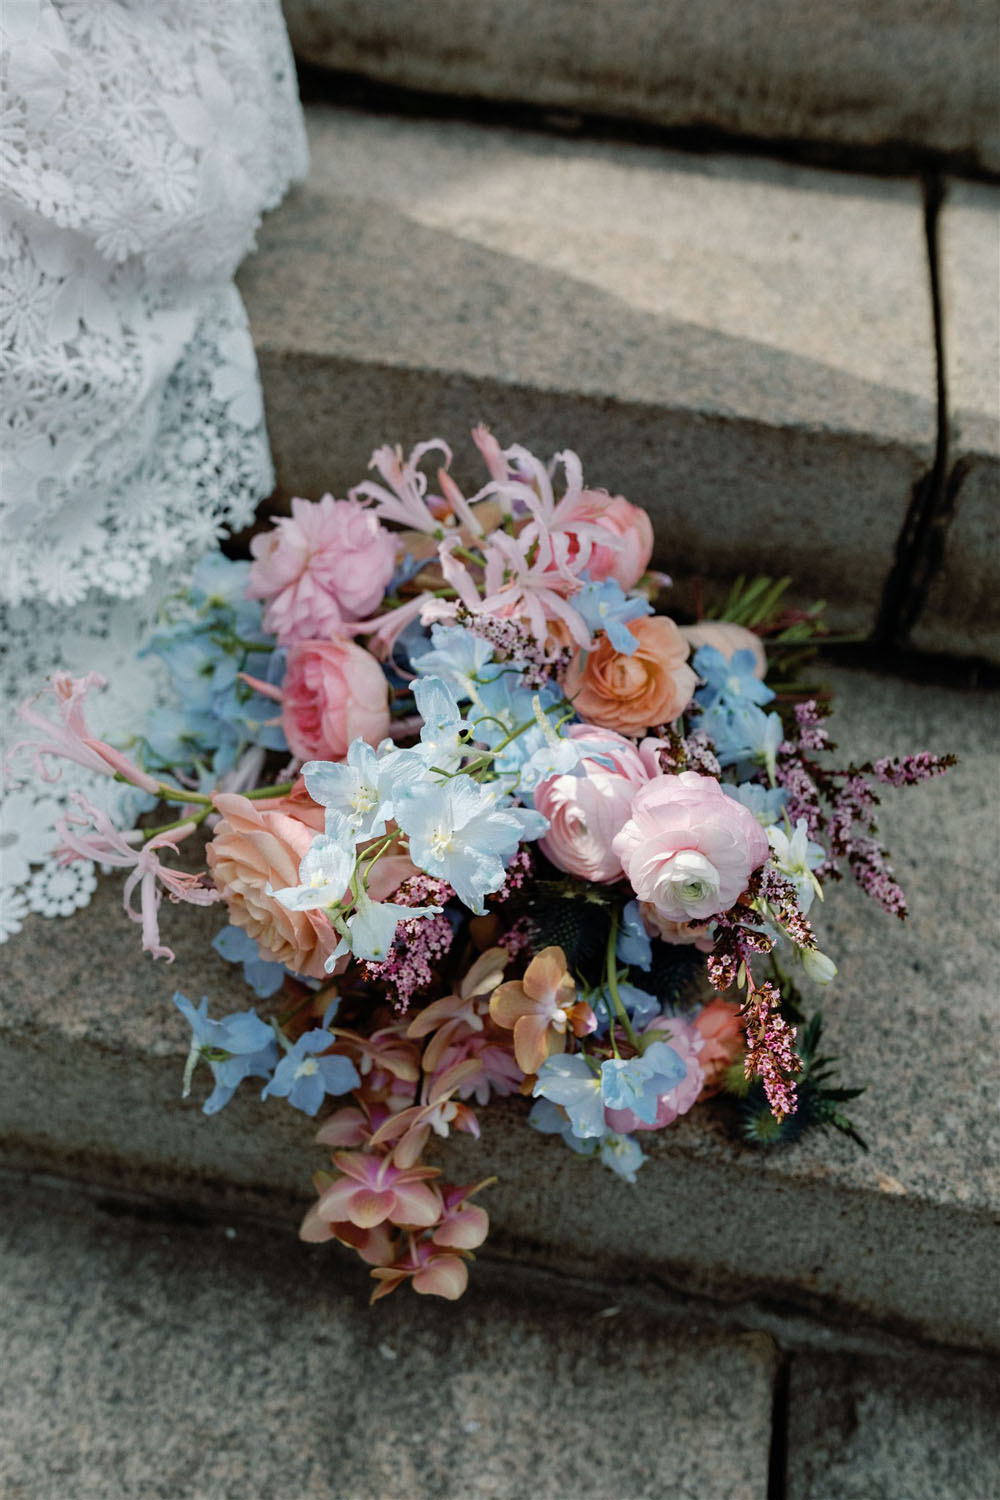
485	822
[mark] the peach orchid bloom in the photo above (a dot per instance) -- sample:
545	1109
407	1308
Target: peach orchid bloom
540	1009
461	1013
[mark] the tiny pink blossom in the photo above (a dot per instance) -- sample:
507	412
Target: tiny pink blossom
322	567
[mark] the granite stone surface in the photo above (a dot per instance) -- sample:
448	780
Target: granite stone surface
962	613
149	1359
91	1052
743	348
856	74
919	1428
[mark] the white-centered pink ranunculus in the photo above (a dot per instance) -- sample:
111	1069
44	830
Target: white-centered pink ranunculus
687	848
326	564
626	555
586	811
333	692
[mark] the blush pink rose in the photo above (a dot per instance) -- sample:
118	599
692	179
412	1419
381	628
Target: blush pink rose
326	564
625	557
586	811
727	639
333	692
687	848
687	1043
254	850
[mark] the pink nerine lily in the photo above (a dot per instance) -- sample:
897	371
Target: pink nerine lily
108	846
71	738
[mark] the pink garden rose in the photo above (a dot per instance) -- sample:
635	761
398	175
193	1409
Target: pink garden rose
687	848
586	811
687	1042
727	639
627	555
326	564
333	692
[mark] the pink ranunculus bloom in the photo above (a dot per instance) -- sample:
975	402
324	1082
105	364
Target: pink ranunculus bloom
325	565
625	557
687	848
686	1041
333	692
727	639
586	811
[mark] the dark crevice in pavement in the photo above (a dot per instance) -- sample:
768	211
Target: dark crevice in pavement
920	545
889	158
777	1459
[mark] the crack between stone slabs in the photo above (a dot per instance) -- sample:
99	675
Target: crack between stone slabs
920	545
777	1457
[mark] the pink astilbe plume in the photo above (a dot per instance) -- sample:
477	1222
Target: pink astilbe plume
770	1054
107	845
70	737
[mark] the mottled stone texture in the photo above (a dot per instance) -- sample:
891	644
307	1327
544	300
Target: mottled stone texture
745	349
962	612
857	73
162	1361
917	1427
92	1053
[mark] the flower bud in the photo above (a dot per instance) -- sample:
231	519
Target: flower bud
817	966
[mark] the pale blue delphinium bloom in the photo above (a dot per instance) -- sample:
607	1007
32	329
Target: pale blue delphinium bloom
633	945
265	976
372	928
325	872
458	832
796	858
606	606
570	1081
733	681
767	803
636	1083
304	1079
357	793
548	1119
237	1047
457	657
641	1006
744	733
441	742
622	1153
505	705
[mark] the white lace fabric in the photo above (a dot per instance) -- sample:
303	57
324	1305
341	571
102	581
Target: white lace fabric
140	144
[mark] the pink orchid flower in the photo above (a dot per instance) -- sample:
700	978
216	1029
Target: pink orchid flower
108	846
463	1225
373	1190
71	738
541	1009
411	1128
431	1271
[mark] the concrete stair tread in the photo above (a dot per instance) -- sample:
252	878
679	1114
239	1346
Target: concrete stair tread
744	348
151	1359
903	1234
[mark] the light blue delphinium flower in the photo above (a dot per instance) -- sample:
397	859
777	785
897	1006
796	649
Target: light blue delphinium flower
305	1079
265	976
636	1083
441	741
457	656
745	733
633	945
606	606
571	1082
733	681
237	1047
641	1006
357	793
767	803
325	872
502	707
458	832
796	857
622	1153
372	928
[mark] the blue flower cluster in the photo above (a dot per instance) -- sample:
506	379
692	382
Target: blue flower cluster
731	700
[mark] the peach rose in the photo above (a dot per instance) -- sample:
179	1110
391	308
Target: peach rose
626	557
253	849
586	811
632	693
334	692
727	640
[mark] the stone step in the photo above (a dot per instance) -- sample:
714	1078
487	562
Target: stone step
850	74
151	1358
745	349
92	1053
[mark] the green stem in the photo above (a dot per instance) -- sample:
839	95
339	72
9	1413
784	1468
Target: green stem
611	963
195	818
